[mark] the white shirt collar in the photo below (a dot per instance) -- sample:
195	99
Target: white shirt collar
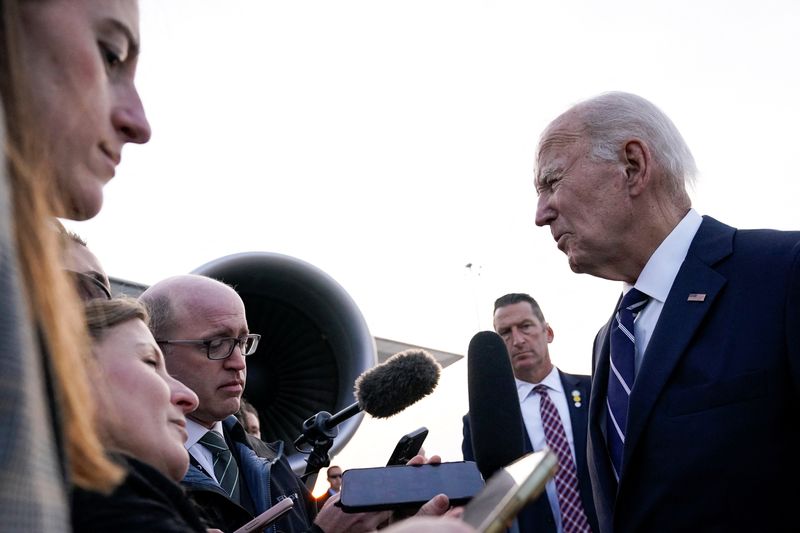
662	268
196	431
551	380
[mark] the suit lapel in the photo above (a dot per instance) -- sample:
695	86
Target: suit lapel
679	320
578	414
604	483
600	356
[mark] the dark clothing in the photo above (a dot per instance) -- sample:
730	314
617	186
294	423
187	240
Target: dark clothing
538	515
145	501
324	498
266	478
712	435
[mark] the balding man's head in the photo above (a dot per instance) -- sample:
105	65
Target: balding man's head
204	312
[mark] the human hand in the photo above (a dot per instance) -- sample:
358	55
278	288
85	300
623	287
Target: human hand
430	524
422	460
332	519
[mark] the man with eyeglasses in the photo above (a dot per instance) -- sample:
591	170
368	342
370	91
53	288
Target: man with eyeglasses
91	280
201	327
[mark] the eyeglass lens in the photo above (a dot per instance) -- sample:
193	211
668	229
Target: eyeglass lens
222	348
90	288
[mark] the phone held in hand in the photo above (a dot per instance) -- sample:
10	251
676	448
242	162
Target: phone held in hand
508	490
407	447
266	518
407	487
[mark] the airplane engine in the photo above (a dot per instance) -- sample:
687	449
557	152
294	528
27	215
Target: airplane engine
314	343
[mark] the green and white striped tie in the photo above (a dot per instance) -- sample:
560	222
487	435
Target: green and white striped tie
225	469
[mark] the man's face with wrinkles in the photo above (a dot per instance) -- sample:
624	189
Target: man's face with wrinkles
584	200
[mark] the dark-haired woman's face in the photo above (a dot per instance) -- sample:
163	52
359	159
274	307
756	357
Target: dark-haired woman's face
81	56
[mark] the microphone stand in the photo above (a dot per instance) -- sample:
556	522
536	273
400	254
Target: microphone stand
320	430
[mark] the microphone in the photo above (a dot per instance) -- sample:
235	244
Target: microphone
494	412
382	391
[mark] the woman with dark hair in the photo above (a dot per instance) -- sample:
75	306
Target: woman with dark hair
68	106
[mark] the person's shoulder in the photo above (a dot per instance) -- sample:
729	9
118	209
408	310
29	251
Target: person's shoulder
146	500
574	380
760	237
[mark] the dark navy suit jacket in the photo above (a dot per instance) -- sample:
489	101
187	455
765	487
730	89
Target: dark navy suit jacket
713	435
538	517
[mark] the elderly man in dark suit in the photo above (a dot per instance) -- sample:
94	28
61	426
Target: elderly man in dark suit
693	415
554	411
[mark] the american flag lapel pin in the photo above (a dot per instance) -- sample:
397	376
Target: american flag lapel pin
696	297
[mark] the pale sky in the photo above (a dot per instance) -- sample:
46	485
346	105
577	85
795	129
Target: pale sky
392	143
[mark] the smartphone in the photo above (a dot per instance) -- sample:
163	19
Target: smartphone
508	490
406	487
266	518
407	447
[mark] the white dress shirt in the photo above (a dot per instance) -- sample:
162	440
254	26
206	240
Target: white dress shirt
531	415
197	450
657	277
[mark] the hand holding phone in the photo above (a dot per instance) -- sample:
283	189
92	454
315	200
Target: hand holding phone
407	447
266	518
508	490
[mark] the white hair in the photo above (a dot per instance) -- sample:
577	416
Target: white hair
612	118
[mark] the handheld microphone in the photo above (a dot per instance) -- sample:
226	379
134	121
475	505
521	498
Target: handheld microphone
382	391
494	412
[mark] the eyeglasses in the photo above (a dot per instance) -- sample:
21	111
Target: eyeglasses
89	287
222	347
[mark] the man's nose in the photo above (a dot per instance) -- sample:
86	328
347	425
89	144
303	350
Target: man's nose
236	360
544	211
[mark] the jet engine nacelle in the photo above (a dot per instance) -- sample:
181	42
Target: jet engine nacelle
314	343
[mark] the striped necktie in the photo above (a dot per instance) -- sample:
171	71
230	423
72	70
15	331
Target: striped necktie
573	517
225	469
621	373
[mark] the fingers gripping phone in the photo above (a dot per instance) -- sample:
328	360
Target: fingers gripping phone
407	447
266	518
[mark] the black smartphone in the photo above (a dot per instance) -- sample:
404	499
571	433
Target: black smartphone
407	487
407	447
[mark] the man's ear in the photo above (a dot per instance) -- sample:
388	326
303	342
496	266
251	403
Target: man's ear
638	166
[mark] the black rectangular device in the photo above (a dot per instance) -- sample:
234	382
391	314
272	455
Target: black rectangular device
407	447
406	487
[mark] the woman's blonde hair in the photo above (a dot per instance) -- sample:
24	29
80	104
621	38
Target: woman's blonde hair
53	302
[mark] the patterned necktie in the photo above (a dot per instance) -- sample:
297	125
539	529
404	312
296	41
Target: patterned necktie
621	374
573	518
225	469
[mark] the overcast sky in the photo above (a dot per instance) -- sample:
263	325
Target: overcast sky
392	143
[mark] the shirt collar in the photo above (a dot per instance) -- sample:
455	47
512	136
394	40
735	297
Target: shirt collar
662	268
551	381
196	431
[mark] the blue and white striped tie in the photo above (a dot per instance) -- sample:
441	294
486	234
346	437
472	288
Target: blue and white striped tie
621	373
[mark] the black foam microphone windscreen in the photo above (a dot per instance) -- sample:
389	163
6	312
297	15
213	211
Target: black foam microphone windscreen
395	384
494	413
